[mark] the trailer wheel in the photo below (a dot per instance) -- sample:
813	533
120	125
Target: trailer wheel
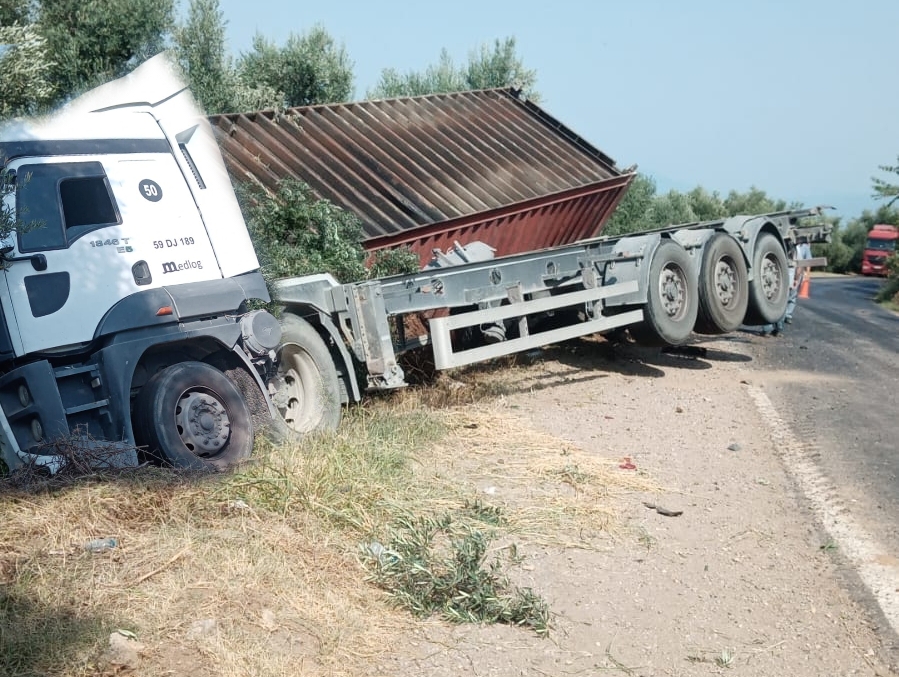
190	415
305	389
768	290
723	286
671	306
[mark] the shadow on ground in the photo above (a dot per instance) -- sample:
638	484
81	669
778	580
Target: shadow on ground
584	360
37	640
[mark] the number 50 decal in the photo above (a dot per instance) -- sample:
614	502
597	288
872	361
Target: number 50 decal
150	190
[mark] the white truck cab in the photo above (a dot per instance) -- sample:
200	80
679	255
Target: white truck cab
130	255
113	200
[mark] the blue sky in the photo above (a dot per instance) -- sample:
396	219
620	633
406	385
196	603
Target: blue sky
796	97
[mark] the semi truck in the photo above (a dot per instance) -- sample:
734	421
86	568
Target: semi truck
132	298
879	246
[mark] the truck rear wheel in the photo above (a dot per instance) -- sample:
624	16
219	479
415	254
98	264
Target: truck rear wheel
768	291
190	415
723	286
305	390
671	304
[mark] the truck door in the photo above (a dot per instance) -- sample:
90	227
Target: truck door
98	229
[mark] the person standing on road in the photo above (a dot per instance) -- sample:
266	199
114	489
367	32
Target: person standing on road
797	276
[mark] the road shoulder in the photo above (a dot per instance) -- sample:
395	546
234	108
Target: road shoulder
743	579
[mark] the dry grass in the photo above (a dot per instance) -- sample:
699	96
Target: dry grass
549	489
270	552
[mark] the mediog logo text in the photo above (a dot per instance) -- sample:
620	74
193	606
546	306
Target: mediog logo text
172	267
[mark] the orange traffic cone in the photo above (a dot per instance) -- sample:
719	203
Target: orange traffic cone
804	287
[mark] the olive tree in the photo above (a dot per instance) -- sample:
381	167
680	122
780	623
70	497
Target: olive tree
630	214
308	69
883	189
92	41
25	71
499	66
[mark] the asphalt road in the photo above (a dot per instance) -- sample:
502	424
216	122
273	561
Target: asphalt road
839	362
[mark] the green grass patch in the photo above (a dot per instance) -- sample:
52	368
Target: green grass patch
438	565
889	294
359	481
352	478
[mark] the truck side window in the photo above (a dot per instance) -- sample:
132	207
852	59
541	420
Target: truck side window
61	202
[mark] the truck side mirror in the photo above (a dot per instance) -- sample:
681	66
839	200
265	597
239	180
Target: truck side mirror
38	261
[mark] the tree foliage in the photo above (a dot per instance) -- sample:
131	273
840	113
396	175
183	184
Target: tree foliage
499	66
8	219
630	215
839	253
296	233
671	208
309	69
437	78
706	206
642	208
386	262
883	189
14	11
25	71
201	50
754	201
92	41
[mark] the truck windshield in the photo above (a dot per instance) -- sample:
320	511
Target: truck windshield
882	245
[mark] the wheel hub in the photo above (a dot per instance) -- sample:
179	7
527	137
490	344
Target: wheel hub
671	286
203	423
290	397
296	389
770	279
725	282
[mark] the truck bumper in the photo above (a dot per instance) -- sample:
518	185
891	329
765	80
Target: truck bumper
39	427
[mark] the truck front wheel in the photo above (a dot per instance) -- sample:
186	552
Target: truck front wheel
305	389
190	415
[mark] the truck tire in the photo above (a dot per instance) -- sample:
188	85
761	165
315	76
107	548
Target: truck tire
306	390
768	291
190	415
237	373
723	286
671	304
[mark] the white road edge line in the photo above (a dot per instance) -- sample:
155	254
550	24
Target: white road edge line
862	549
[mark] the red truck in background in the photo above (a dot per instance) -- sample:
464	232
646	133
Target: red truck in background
879	247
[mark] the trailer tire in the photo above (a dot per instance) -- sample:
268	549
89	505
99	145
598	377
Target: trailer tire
190	415
671	304
723	286
306	387
768	291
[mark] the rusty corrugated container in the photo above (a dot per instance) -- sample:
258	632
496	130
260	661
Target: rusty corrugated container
427	171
